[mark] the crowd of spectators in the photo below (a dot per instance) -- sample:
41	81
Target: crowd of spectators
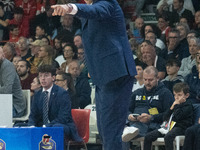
31	37
171	45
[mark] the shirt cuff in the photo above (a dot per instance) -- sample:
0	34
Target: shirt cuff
74	9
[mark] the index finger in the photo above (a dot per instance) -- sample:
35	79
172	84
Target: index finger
55	10
54	6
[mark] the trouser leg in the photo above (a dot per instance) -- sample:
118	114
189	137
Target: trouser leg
150	137
170	136
112	102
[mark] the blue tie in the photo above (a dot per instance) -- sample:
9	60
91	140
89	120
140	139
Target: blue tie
45	108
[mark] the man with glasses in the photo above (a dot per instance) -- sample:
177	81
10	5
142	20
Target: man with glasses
175	49
58	109
192	34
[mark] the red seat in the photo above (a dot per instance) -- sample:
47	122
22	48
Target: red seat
81	119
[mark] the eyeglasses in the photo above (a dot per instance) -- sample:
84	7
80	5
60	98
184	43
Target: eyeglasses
59	80
189	37
80	53
41	50
67	51
173	37
197	54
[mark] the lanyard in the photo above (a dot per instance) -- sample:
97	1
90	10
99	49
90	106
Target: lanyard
146	98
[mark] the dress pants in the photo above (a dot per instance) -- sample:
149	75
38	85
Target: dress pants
168	138
112	103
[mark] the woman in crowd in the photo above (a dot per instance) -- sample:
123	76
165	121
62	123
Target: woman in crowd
65	81
35	86
46	56
70	53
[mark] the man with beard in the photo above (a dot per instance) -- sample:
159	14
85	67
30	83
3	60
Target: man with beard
147	106
26	78
10	84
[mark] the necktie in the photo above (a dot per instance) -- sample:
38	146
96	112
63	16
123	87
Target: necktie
45	108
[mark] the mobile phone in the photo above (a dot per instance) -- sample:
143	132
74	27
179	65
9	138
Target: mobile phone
135	115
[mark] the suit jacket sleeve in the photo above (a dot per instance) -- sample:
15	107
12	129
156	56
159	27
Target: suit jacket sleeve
35	115
99	10
7	76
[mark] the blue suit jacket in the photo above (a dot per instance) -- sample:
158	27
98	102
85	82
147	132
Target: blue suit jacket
108	53
59	110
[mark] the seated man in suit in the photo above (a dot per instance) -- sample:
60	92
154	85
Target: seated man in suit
56	112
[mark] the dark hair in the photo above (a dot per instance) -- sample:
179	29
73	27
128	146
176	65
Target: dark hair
11	27
195	32
66	36
1	5
141	64
155	29
148	42
164	16
78	34
172	62
74	49
47	68
18	10
181	1
68	77
38	80
181	86
151	32
41	26
28	65
174	30
45	37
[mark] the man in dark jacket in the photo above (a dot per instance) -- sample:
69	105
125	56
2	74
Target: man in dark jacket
83	90
149	103
193	81
51	105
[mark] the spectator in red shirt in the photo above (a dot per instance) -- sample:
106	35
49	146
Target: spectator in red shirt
29	7
20	20
14	33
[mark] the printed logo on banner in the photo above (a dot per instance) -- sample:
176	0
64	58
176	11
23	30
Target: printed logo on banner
47	143
2	145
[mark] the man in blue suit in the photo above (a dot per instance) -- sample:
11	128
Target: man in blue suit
109	61
59	105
